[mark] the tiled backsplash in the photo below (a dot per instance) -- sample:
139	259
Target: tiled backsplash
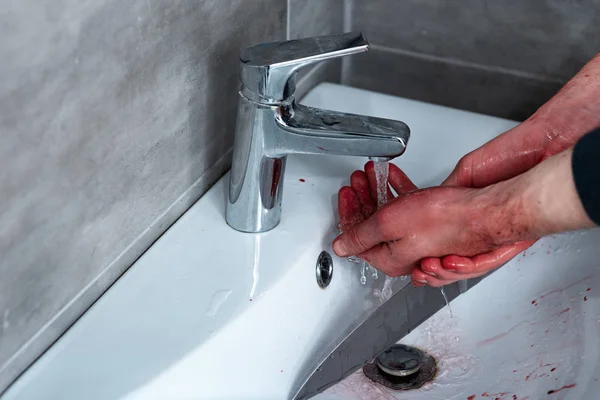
114	118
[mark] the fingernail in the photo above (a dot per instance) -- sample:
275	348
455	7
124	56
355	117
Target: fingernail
339	248
420	281
430	273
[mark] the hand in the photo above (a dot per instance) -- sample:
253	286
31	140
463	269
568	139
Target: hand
469	222
358	201
555	127
419	224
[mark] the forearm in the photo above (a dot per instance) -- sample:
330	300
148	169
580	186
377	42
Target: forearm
556	126
539	202
550	192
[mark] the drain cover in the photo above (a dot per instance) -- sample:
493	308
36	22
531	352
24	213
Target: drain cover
401	367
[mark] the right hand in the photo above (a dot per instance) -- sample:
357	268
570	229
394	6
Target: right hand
556	126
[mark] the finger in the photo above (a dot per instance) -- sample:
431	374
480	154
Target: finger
484	262
399	181
383	258
360	238
417	275
370	171
360	183
432	266
349	208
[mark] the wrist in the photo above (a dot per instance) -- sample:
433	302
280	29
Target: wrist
550	194
507	216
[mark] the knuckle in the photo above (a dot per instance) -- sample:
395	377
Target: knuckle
382	219
356	239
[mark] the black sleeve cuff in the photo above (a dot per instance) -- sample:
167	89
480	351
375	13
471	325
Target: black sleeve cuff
586	173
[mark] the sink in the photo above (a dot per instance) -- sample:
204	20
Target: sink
530	330
208	312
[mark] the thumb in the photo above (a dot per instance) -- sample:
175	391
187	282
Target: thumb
462	174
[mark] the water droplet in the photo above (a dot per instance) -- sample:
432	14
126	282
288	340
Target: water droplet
363	271
217	300
354	259
374	274
446	300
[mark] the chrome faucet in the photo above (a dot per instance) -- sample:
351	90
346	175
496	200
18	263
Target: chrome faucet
270	125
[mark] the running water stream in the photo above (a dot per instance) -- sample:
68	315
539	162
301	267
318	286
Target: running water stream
382	169
381	176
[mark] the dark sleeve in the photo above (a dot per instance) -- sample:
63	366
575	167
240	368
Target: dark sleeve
586	173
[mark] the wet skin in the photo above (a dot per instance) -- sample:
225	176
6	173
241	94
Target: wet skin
478	219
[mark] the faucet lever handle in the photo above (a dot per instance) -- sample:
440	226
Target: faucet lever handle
268	70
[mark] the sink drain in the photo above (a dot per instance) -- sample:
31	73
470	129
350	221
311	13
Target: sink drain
401	367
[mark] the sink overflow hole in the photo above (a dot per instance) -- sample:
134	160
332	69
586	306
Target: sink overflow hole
324	269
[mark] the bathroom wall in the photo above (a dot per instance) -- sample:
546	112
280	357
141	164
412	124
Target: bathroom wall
316	18
114	118
503	58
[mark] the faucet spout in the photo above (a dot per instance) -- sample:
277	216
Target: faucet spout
307	130
270	125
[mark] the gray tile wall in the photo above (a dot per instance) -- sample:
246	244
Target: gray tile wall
316	18
498	57
114	118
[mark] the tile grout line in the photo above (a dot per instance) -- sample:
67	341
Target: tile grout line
288	21
468	64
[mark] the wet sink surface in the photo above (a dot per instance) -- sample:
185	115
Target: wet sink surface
531	330
208	312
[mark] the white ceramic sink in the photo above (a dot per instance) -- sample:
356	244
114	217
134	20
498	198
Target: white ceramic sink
527	331
211	313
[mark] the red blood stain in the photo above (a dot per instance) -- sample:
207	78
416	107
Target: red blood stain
471	397
250	299
584	298
302	180
503	334
547	330
532	301
515	397
553	369
277	166
534	374
587	75
281	371
561	290
496	396
588	289
562	388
